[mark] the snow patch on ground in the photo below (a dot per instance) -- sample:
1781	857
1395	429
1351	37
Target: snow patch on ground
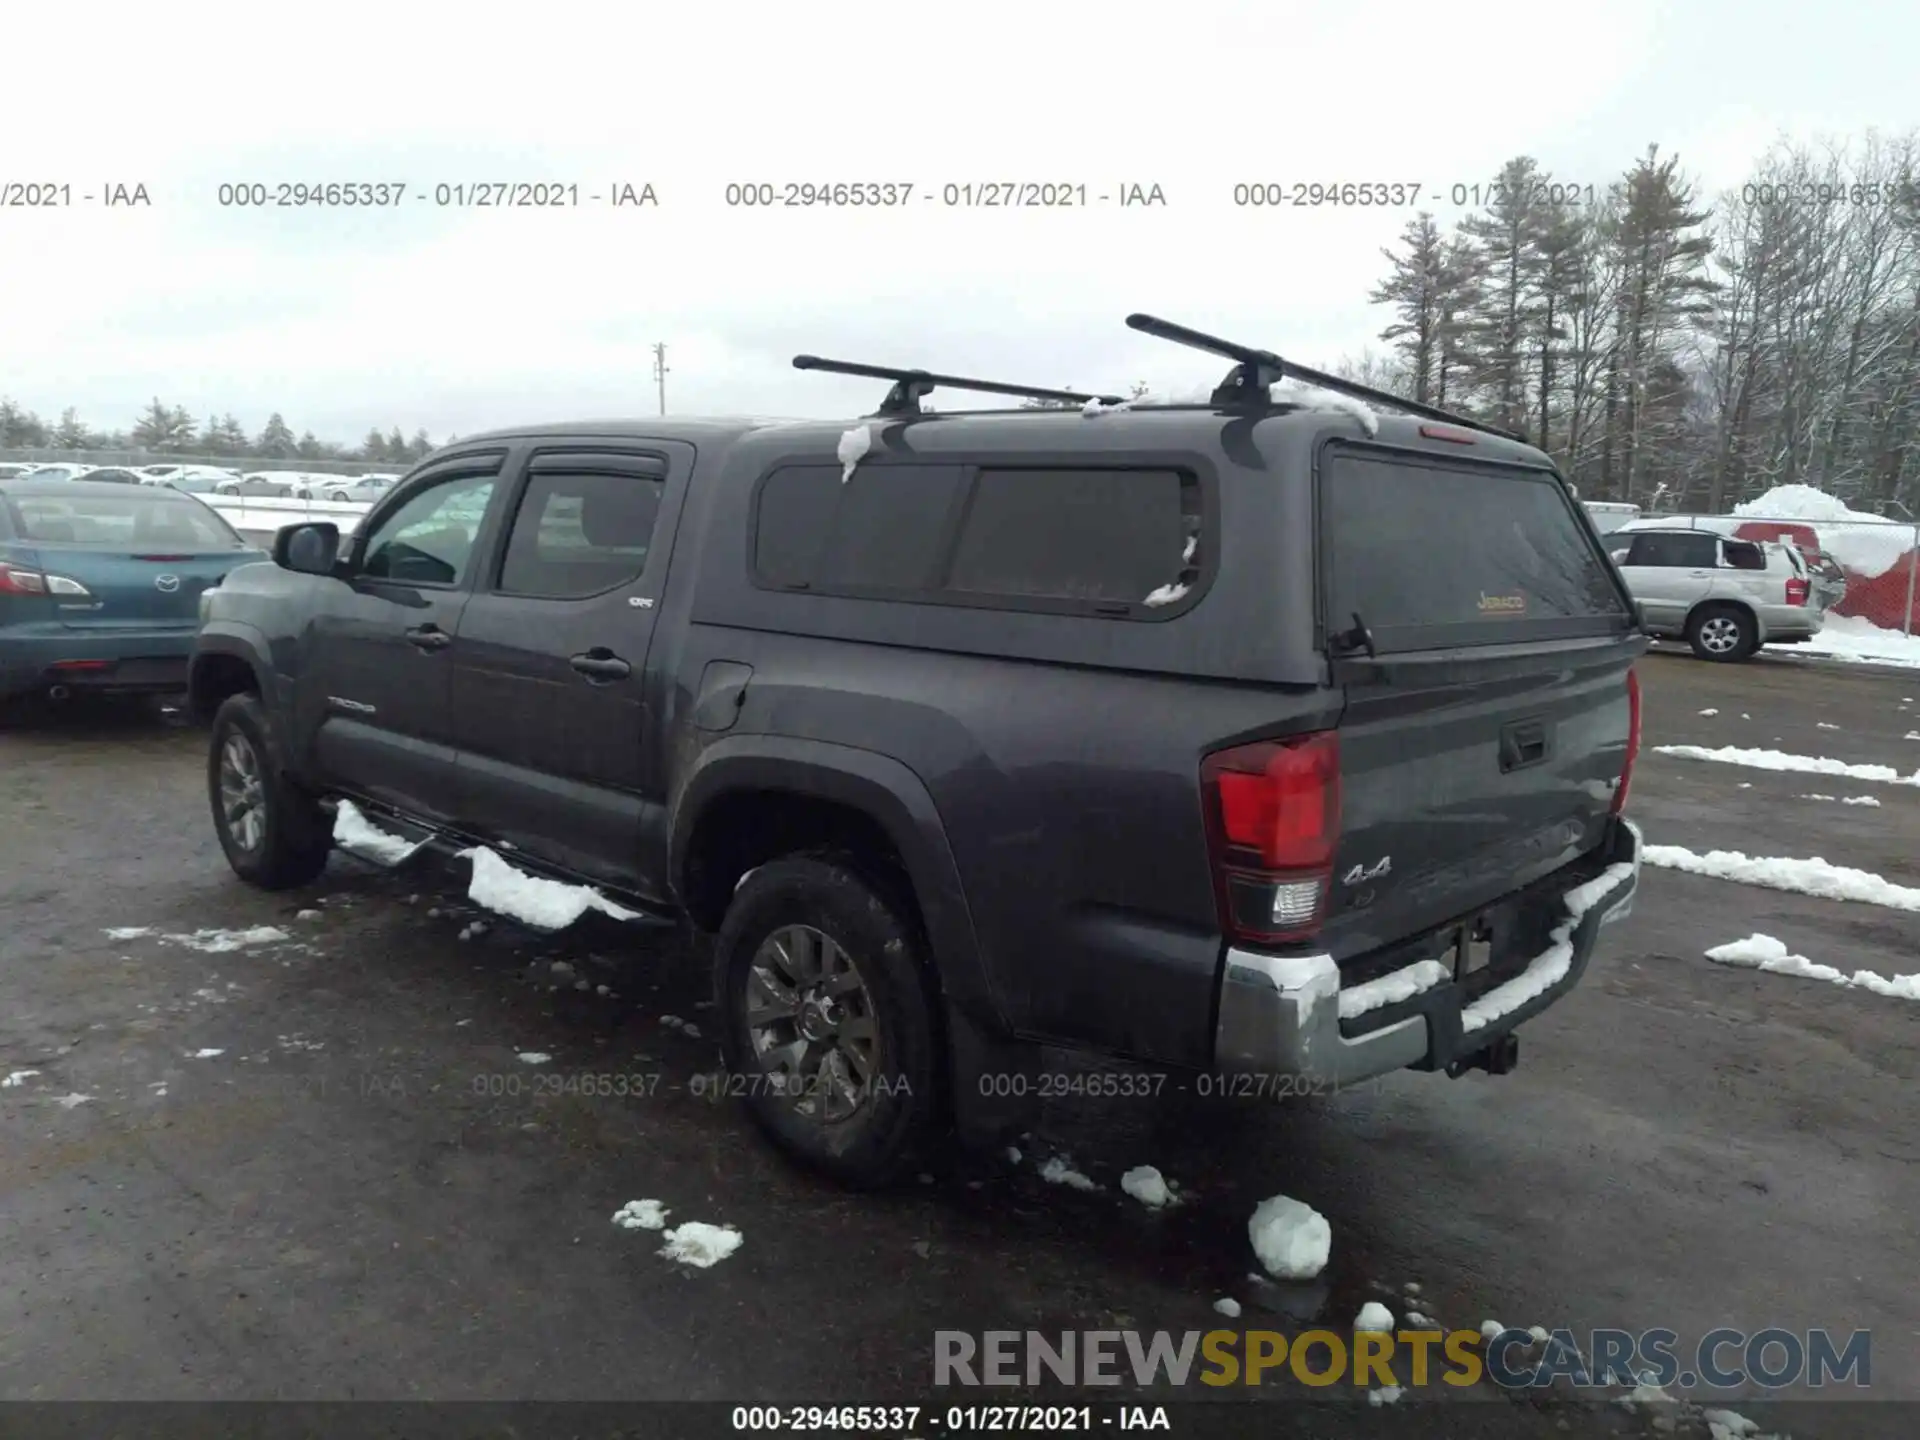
1147	1185
1785	763
73	1100
17	1078
129	932
1852	637
533	1057
1709	712
1059	1171
1814	877
701	1245
852	449
220	942
353	831
543	904
206	1054
1763	952
1291	1239
1385	1395
1228	1306
641	1215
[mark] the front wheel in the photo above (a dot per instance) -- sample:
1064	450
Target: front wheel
275	836
1722	632
828	1019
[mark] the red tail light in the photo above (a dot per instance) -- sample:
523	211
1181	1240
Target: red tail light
1273	813
1442	432
17	580
1797	591
1633	742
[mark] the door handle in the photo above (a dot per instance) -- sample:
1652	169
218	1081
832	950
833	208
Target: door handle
429	637
600	664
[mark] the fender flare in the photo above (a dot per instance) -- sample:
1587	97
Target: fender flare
883	789
235	640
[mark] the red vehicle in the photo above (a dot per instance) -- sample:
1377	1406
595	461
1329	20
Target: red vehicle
1830	580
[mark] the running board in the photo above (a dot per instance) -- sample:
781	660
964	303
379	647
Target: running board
384	841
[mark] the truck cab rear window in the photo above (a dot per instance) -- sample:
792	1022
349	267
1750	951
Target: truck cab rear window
1431	554
1043	538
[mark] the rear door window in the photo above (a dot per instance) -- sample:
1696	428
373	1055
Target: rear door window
1744	555
1430	554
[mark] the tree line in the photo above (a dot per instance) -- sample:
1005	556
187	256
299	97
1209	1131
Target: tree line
1670	349
171	430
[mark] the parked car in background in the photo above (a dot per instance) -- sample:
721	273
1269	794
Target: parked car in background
189	483
108	475
12	471
57	472
279	483
1725	597
366	488
100	585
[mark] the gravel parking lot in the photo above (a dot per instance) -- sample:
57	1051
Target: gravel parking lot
314	1163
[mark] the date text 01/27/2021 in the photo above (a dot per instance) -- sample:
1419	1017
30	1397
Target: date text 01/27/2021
906	1420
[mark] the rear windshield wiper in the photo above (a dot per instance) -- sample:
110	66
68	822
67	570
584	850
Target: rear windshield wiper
1358	638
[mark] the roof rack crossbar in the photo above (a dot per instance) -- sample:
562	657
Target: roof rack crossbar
1255	372
912	386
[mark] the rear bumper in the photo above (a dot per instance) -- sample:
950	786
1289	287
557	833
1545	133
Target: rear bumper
1281	1015
133	660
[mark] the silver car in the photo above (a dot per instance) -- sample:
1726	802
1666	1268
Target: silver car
1724	597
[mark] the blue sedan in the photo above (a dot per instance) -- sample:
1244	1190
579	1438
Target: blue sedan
100	585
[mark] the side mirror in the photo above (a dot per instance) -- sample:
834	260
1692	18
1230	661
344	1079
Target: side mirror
311	549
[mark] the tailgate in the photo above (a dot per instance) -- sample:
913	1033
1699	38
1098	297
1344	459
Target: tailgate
1482	738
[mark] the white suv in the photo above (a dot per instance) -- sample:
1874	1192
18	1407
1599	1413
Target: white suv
1724	597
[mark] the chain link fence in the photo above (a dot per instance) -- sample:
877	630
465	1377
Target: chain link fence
1881	558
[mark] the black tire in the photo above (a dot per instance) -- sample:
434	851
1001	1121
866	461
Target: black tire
289	848
901	1109
1725	633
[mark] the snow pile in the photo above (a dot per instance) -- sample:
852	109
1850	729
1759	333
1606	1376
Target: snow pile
1849	637
1392	988
1780	760
1291	1239
641	1215
1869	545
701	1245
1167	594
220	942
18	1078
1763	952
1059	1171
1228	1306
1097	407
852	449
1850	800
1814	877
1311	397
1373	1319
1147	1185
543	904
353	831
1709	712
1729	1425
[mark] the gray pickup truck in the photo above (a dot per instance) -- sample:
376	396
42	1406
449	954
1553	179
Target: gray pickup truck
1152	731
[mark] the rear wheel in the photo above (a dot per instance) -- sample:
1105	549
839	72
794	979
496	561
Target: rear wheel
828	1019
1722	632
275	835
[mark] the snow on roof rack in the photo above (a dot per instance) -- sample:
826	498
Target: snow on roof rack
911	386
1256	372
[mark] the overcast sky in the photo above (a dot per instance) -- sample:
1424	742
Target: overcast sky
458	320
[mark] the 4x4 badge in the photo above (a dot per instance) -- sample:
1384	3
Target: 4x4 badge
1360	873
